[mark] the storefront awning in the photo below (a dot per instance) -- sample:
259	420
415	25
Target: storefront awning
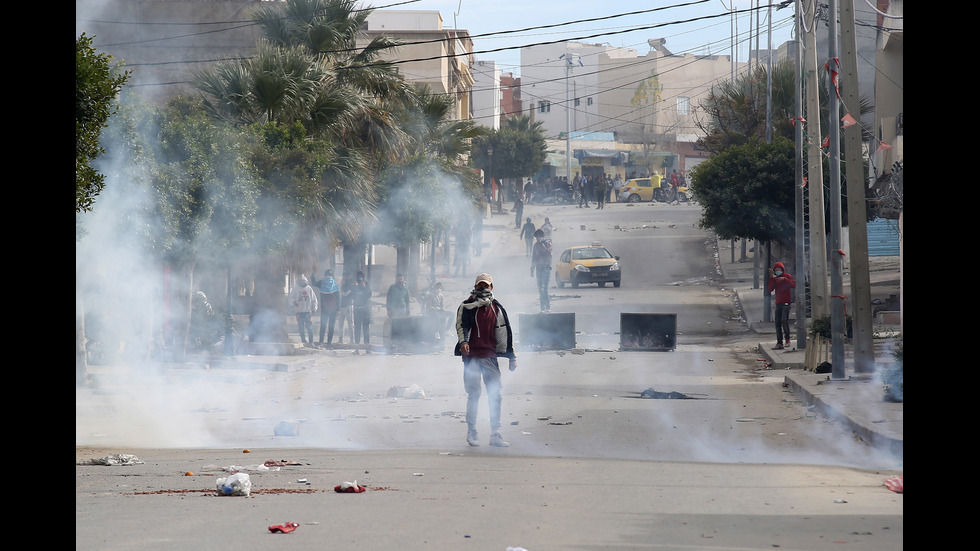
615	156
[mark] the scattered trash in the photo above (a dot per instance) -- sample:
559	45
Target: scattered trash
824	367
302	481
279	463
285	527
246	451
242	468
286	428
188	473
840	501
895	484
349	488
238	484
115	459
672	395
413	391
516	549
560	423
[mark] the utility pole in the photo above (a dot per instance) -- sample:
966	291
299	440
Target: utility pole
857	221
819	306
798	182
837	321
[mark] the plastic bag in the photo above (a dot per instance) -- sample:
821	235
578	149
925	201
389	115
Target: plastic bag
238	484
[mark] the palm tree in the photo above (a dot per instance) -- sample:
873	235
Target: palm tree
429	186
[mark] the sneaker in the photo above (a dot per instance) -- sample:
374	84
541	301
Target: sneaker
472	439
498	441
779	346
787	343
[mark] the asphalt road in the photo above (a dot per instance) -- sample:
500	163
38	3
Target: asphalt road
739	464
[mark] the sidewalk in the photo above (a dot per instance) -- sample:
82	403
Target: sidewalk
856	400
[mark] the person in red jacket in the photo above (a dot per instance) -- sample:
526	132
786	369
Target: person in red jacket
782	283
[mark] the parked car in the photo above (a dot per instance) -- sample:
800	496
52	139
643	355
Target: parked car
587	264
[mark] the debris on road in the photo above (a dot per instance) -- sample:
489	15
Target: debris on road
413	391
895	484
115	459
284	528
672	395
238	484
349	488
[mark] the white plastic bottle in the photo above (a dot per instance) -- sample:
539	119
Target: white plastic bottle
238	484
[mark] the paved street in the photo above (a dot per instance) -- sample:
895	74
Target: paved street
739	463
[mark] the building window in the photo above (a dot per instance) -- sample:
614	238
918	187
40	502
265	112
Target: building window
683	106
577	102
544	107
589	102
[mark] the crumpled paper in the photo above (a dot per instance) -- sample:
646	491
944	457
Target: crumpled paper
115	459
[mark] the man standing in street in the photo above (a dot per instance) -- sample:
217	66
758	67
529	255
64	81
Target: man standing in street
783	284
329	305
398	300
305	303
483	334
361	302
541	265
527	234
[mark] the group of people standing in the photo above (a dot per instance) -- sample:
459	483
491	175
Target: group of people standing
599	189
347	305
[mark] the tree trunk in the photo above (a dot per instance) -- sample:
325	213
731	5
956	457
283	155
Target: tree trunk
267	322
403	256
412	275
353	258
81	360
183	316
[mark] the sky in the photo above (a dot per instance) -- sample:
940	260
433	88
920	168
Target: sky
687	25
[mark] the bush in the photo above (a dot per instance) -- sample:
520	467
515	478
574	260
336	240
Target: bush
894	377
821	327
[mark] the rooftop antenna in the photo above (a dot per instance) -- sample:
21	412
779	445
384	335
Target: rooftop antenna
458	9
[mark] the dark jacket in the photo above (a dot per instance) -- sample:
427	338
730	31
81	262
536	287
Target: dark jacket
465	319
360	295
541	256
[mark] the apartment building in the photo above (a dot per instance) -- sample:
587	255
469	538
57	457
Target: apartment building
440	58
487	94
646	100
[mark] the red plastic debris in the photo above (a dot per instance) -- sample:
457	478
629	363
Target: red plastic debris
285	528
895	484
348	488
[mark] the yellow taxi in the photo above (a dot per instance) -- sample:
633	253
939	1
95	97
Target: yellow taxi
587	264
641	189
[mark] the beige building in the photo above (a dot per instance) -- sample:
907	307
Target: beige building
163	42
440	58
648	101
889	95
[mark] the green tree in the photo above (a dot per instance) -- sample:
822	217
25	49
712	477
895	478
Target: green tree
519	149
97	83
429	187
747	191
184	196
